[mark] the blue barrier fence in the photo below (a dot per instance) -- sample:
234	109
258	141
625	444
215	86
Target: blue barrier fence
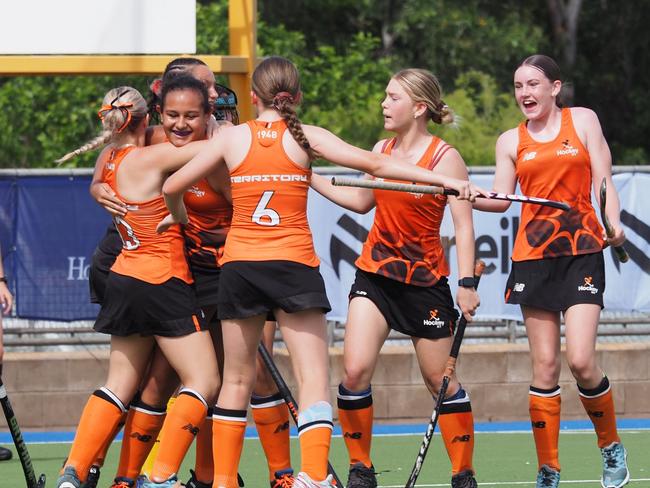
49	227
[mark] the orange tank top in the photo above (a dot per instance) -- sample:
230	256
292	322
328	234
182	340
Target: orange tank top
269	196
146	255
209	216
404	241
113	158
558	170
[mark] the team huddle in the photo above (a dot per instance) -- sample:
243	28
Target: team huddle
210	247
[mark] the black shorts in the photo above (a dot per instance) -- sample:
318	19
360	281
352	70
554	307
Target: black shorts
206	286
555	284
417	311
249	288
100	264
133	306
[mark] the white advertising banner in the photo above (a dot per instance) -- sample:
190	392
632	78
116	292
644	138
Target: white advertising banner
339	235
98	27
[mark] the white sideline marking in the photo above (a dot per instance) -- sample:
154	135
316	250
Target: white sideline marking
509	483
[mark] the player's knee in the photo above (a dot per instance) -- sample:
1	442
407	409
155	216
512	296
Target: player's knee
356	378
582	367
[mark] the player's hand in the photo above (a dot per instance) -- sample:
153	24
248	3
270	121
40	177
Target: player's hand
468	301
6	300
466	190
106	197
167	222
617	239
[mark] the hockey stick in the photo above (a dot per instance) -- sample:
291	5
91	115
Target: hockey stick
436	190
449	371
288	397
621	253
21	447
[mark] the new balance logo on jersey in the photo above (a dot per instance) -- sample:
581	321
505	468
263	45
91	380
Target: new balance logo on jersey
529	156
519	287
462	438
433	319
567	149
588	286
191	428
598	414
353	435
540	424
141	437
281	427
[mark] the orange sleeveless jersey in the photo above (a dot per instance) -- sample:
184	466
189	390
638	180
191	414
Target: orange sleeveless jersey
404	241
146	255
114	157
269	195
557	170
209	216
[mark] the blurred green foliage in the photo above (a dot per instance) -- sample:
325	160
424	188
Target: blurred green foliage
346	51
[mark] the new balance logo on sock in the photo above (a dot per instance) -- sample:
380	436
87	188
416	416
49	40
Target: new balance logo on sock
191	428
141	437
462	438
353	435
281	427
598	414
539	424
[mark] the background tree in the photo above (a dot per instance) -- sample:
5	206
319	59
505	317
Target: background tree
347	49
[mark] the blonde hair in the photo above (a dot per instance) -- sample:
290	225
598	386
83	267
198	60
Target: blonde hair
277	84
123	108
423	87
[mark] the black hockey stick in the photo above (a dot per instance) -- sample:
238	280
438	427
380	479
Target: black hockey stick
288	398
621	253
449	371
436	190
19	442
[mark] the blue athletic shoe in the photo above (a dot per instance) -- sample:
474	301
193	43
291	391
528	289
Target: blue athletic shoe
615	472
144	482
69	478
547	477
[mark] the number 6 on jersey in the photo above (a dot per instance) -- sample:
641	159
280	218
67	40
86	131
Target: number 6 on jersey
263	215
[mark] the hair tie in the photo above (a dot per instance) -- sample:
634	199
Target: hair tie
122	107
156	87
280	96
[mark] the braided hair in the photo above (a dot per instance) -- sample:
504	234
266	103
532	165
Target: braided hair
123	108
277	84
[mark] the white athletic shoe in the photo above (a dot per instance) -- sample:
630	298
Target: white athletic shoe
304	481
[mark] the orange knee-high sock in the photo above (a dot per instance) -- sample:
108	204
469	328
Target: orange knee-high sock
356	417
98	421
203	464
315	434
544	408
271	417
457	429
101	456
182	424
143	424
599	405
228	428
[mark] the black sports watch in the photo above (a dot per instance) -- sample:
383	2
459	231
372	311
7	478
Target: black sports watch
467	282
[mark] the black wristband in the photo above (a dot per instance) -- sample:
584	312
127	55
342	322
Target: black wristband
467	282
3	279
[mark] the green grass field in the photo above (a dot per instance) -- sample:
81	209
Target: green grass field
504	460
